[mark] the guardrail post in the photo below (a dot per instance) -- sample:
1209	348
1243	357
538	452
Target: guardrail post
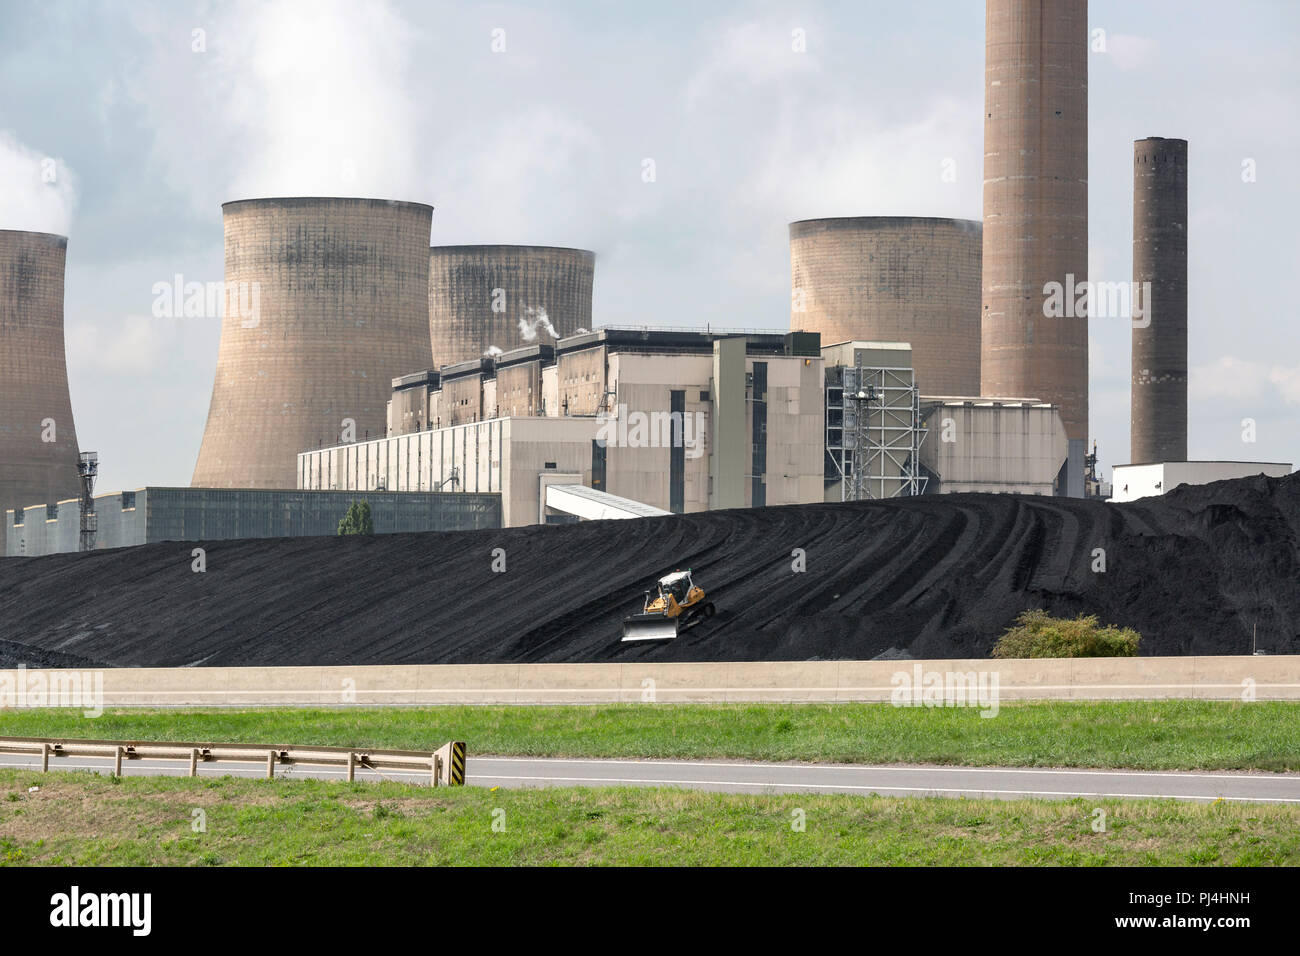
457	776
435	769
448	764
270	765
194	762
117	760
45	757
352	766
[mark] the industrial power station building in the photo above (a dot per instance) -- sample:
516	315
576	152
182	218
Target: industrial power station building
1036	209
38	441
149	515
326	300
894	279
484	300
679	420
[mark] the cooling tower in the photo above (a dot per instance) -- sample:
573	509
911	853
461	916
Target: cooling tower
482	297
326	302
1159	389
38	442
894	279
1036	209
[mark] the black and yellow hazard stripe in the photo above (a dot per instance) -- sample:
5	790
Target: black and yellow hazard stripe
457	763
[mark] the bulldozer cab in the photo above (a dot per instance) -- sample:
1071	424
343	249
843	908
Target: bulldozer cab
677	586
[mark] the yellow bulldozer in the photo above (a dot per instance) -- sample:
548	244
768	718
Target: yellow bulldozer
677	605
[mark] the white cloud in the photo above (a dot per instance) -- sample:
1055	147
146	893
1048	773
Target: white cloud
129	345
1235	378
289	98
749	55
513	181
1129	52
40	192
836	159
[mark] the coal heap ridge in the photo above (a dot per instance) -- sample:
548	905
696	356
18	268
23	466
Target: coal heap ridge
938	576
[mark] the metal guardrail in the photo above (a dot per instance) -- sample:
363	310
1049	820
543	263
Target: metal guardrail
446	765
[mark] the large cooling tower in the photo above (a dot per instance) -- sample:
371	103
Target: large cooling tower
327	301
1036	208
1159	389
894	279
482	297
38	443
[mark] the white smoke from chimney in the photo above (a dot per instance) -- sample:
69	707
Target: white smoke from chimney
493	352
535	318
312	97
39	192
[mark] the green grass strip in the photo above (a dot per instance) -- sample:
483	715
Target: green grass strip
1152	735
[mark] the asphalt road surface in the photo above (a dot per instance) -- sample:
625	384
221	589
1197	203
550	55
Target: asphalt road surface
743	777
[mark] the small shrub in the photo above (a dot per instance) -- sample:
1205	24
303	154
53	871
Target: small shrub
1038	634
358	520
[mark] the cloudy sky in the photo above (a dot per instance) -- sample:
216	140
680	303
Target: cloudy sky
155	113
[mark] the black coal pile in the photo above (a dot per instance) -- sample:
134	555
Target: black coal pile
1196	571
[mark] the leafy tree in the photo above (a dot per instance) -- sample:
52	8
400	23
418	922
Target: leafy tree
358	519
1038	634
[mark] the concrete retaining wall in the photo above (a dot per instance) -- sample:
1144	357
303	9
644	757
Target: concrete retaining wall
1142	678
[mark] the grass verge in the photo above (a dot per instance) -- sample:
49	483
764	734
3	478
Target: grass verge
85	819
1153	735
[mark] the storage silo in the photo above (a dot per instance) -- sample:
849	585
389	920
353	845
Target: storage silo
505	297
894	279
326	303
1159	379
38	440
1036	210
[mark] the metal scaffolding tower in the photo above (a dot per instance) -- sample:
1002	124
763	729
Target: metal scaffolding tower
874	432
88	470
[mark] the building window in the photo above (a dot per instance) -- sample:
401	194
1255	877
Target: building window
598	463
677	453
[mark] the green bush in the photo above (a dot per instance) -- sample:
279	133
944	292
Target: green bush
357	520
1038	634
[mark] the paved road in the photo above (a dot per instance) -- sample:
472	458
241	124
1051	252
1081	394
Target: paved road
742	777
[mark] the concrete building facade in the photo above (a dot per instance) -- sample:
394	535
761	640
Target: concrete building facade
148	515
485	299
326	301
993	445
38	440
634	413
916	443
502	456
1036	209
1159	362
894	279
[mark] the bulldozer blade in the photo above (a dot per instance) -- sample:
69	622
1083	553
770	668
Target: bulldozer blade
649	627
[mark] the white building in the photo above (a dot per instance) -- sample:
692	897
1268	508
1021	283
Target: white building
1131	482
